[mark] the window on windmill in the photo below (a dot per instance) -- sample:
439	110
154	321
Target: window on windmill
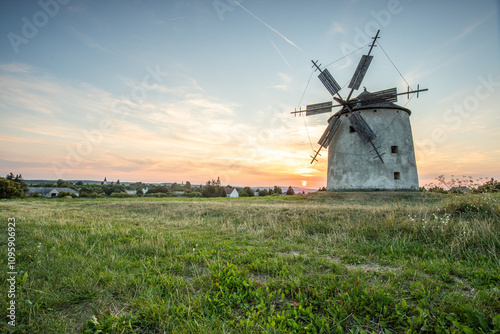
351	129
394	149
397	175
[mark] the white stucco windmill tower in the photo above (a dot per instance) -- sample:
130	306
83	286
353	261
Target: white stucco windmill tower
369	140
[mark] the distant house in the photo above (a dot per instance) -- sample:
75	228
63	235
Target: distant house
461	189
231	192
49	191
131	192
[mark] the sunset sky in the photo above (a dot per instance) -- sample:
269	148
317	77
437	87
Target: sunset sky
172	91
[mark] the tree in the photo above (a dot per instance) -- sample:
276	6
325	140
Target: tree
10	189
213	189
277	190
111	188
158	189
209	190
18	179
139	191
249	191
290	191
118	181
188	185
263	192
79	183
64	184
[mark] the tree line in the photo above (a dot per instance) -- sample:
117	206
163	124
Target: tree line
14	186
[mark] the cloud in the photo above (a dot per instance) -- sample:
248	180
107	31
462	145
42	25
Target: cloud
84	38
176	132
470	28
335	28
285	82
467	30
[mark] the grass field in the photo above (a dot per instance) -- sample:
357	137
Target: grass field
327	262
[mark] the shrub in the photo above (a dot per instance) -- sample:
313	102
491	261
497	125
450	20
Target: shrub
483	204
491	186
158	195
10	189
121	195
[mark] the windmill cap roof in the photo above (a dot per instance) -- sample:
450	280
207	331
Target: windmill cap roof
367	96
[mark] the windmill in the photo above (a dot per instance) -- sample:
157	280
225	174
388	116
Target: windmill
381	127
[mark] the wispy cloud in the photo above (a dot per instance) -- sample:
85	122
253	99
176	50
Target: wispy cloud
285	82
335	28
159	136
469	29
84	38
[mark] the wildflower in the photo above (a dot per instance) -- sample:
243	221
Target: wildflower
295	304
367	270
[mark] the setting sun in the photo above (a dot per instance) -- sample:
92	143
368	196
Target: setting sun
304	183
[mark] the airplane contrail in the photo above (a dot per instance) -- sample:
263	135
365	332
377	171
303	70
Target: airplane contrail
267	25
279	52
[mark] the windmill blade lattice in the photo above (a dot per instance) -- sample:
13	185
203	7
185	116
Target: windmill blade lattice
388	95
360	72
318	108
330	131
361	127
329	82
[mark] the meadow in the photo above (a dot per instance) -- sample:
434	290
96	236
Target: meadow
347	262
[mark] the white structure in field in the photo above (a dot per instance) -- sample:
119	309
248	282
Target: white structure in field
231	192
352	165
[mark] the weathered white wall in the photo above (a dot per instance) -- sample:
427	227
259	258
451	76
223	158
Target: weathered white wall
353	165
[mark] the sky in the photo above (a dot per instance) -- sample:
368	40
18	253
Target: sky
175	91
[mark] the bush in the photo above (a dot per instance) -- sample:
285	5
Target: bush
158	195
121	195
10	189
63	194
491	186
483	204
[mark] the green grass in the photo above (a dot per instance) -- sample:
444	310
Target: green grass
328	262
